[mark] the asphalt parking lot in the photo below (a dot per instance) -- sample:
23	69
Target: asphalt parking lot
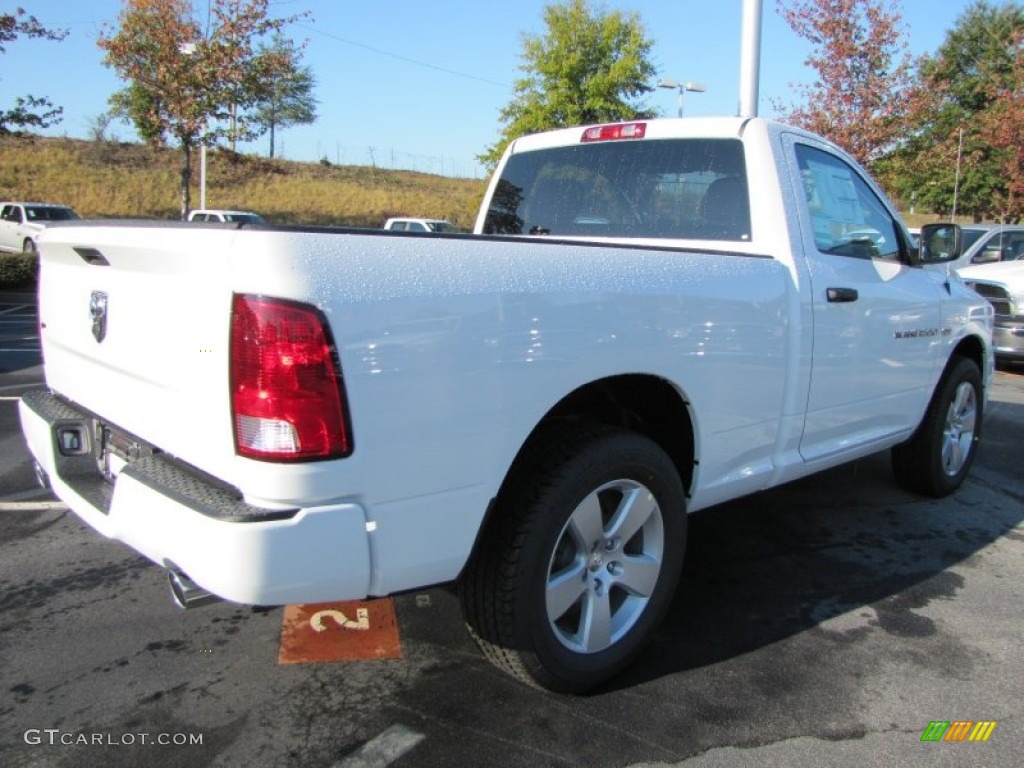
828	622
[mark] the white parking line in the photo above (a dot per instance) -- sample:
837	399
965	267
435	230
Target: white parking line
33	506
383	749
25	385
15	308
31	493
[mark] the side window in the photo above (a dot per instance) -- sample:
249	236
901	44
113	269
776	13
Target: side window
991	250
1002	246
8	213
1014	249
415	226
847	216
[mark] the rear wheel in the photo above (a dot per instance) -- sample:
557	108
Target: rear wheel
581	560
938	457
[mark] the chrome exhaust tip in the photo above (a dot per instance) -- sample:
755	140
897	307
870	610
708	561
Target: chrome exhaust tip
186	593
41	477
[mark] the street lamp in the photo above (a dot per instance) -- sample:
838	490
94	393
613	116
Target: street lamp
667	82
189	49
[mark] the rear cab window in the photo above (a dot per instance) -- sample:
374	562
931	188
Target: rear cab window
655	188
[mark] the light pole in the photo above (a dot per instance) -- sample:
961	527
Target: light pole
188	49
667	82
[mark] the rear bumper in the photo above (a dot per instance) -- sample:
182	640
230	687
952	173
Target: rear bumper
180	519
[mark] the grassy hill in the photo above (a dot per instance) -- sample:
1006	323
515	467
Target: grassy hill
113	179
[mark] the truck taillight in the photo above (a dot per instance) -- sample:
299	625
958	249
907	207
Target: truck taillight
287	396
613	132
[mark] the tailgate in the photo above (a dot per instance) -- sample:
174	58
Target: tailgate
134	322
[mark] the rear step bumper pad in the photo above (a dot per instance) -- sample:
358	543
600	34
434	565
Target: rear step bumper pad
180	518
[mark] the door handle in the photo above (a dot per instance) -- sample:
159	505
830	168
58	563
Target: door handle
841	295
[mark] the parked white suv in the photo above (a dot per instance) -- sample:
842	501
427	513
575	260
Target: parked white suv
242	217
420	225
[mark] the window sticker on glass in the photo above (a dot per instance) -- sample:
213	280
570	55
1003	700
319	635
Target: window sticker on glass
831	190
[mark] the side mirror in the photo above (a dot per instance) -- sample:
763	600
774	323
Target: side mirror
938	243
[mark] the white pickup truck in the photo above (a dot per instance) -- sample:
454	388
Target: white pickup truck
21	223
652	318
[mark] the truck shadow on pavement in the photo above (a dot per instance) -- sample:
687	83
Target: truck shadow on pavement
845	556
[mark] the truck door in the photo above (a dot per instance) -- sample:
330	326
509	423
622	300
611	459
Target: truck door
877	334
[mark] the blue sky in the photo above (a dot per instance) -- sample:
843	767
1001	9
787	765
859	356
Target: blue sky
417	85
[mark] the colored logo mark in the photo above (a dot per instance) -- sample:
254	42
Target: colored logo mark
958	730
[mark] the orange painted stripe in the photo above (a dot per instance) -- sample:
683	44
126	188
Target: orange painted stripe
958	730
353	630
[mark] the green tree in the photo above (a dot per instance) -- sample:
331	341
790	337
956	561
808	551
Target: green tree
287	96
29	111
961	154
592	66
864	71
184	81
140	106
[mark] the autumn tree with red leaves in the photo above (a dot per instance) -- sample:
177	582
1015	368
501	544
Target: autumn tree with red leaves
1002	127
863	73
189	82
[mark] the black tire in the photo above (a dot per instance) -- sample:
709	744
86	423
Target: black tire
935	461
553	554
29	246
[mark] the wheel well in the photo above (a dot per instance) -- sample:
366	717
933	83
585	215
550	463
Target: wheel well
972	349
645	404
648	405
